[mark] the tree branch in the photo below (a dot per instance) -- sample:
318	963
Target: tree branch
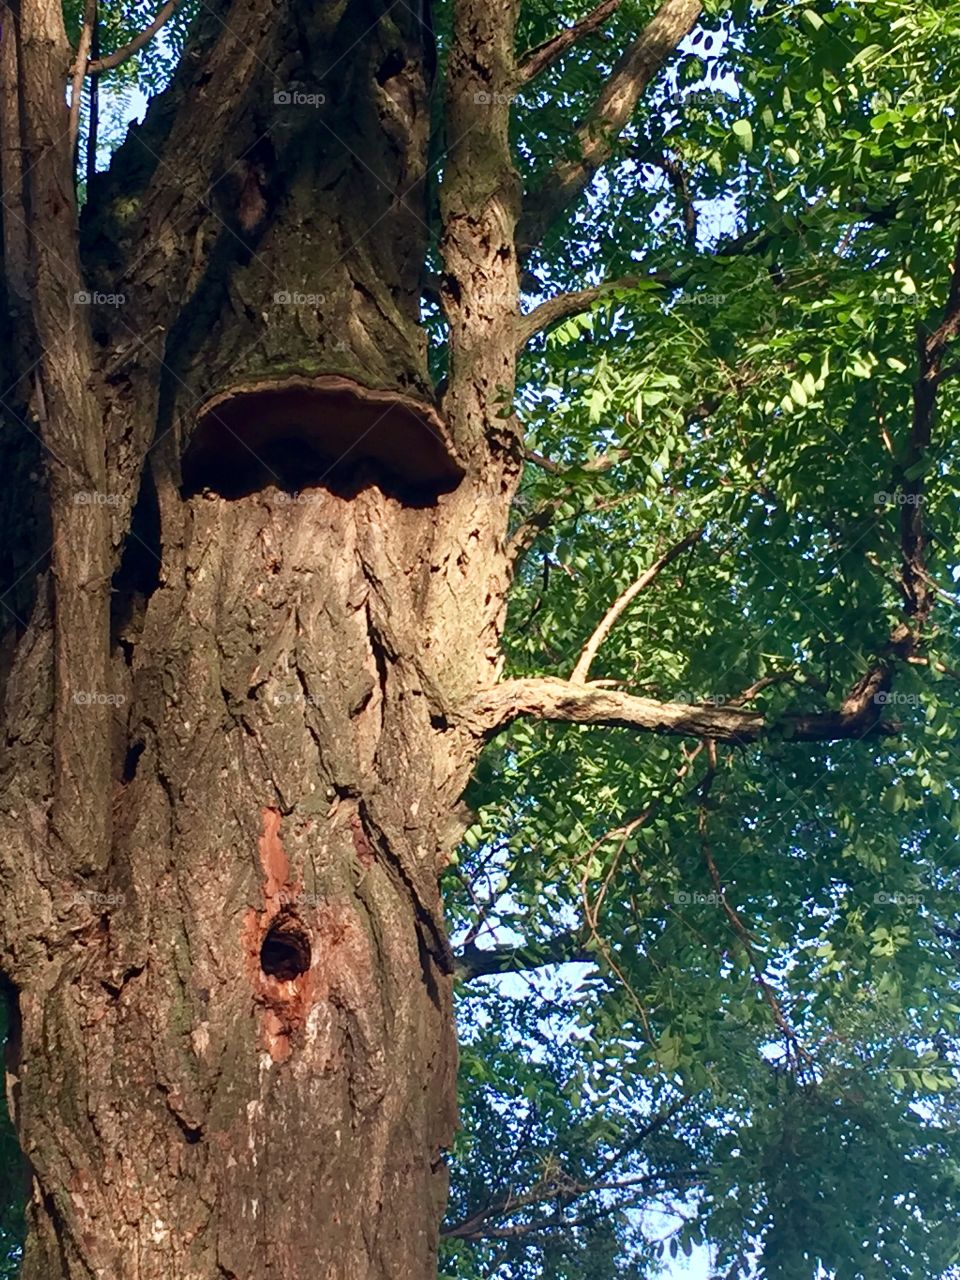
93	125
910	479
573	303
15	250
765	682
566	1190
760	239
536	60
479	209
550	698
739	928
560	1187
527	532
678	178
749	243
71	426
97	66
582	669
611	112
563	1186
78	72
563	948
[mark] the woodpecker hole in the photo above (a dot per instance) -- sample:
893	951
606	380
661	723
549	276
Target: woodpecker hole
285	953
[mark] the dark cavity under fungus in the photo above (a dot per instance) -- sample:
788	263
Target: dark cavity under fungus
297	431
285	950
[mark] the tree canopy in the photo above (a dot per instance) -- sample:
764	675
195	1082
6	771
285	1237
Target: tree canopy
762	1051
708	962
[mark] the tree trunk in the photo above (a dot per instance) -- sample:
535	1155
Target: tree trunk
233	768
239	1060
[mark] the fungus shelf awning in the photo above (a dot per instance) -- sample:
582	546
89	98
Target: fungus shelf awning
336	420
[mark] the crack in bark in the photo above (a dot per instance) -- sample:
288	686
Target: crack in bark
192	1133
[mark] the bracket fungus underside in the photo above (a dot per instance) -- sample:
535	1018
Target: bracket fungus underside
297	430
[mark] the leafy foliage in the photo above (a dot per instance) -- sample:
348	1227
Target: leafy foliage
774	940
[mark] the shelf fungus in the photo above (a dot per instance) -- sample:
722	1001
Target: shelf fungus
300	430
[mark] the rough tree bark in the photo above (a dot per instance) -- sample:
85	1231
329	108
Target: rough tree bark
254	587
232	773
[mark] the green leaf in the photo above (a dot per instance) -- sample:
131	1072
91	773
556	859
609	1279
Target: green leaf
743	130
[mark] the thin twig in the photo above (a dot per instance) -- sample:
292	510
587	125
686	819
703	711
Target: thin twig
739	928
765	682
938	666
675	173
111	60
537	60
78	72
582	669
527	532
93	124
591	911
931	351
